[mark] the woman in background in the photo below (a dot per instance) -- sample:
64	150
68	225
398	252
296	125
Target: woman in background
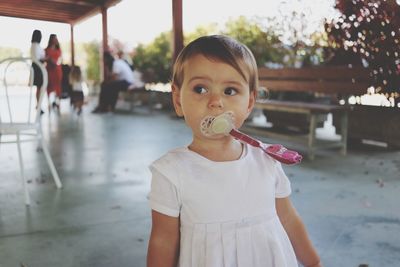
53	55
37	55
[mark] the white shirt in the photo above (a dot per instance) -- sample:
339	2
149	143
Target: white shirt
37	52
76	86
122	70
226	209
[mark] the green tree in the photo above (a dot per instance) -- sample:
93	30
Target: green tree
264	39
155	59
201	31
265	45
92	50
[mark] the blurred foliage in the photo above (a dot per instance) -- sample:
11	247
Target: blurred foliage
368	33
211	28
300	54
6	52
92	50
155	59
265	45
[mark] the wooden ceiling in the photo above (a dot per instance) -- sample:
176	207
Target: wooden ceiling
65	11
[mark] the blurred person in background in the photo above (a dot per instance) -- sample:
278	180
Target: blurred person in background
37	55
119	79
53	66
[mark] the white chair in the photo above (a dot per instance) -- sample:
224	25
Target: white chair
19	112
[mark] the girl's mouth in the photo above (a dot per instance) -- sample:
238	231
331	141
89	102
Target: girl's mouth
224	124
214	125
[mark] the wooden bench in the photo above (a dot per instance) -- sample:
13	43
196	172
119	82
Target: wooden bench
321	88
142	95
138	93
147	97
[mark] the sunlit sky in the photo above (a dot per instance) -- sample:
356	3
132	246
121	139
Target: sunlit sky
133	22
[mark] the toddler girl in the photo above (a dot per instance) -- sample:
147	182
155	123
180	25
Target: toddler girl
76	81
218	201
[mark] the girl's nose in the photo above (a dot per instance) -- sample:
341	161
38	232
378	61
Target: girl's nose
215	101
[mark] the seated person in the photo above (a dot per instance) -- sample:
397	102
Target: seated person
120	78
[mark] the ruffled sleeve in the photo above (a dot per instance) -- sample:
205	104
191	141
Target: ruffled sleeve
164	194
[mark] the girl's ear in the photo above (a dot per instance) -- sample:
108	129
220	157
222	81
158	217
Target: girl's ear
176	99
252	101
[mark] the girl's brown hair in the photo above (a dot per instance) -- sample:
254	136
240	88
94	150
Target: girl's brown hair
221	48
75	74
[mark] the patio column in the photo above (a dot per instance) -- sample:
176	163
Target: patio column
105	42
177	27
72	45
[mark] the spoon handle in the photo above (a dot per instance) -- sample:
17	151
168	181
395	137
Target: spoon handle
276	151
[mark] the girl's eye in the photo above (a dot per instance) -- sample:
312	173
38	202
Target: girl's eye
230	91
200	89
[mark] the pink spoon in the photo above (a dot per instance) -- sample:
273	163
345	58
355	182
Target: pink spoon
276	151
223	124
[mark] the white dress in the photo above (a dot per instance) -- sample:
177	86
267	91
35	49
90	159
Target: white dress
227	209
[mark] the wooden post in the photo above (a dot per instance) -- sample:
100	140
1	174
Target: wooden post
72	46
177	27
105	43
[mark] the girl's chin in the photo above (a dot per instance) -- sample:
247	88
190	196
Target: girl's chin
216	137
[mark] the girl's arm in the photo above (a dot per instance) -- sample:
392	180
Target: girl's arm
163	250
295	229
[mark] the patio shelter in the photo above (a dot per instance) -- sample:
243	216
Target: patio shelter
74	11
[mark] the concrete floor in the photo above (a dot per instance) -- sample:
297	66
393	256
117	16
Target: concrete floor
101	216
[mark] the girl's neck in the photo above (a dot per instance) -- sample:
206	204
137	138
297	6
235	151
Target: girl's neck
225	149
